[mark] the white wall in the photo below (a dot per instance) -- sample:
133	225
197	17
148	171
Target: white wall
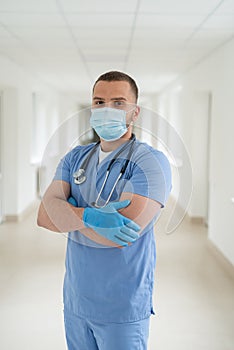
19	173
188	113
214	77
9	154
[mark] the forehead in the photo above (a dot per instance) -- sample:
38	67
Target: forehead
111	89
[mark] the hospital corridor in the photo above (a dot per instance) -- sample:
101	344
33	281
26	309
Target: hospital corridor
116	175
193	294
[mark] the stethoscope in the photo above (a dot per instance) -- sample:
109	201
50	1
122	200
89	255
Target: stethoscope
80	177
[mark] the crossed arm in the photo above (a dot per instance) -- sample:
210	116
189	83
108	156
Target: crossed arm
57	215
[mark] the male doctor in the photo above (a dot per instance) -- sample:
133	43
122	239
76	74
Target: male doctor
109	215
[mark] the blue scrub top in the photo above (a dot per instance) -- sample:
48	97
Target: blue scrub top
112	284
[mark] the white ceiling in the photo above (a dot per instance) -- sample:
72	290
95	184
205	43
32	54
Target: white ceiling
69	43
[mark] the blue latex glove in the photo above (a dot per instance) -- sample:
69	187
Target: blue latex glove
72	201
111	224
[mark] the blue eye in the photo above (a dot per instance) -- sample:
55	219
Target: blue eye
119	103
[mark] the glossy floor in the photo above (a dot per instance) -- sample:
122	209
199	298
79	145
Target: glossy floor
193	297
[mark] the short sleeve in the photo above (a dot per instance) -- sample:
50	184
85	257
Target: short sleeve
63	169
150	176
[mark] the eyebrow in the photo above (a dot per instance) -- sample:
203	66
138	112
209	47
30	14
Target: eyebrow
98	98
112	99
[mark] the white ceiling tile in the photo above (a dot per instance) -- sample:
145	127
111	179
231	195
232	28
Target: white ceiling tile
160	65
40	57
142	33
109	59
220	22
100	20
105	57
28	5
200	47
157	44
153	57
172	59
31	19
102	6
4	32
87	32
41	32
55	53
149	37
105	46
101	36
170	21
50	43
178	6
149	69
63	67
209	34
102	67
164	59
226	7
9	41
194	54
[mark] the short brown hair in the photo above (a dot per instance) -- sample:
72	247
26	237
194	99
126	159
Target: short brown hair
118	76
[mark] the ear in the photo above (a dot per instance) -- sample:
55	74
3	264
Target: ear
136	113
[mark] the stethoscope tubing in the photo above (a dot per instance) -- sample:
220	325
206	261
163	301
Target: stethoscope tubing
122	171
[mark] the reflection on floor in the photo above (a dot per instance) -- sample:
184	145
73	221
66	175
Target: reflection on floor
193	295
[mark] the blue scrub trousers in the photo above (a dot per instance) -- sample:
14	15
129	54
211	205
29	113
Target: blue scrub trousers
82	334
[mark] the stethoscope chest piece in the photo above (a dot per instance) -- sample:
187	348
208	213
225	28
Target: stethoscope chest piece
79	177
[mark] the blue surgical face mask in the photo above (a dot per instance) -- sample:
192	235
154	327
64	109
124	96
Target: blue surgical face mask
109	123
